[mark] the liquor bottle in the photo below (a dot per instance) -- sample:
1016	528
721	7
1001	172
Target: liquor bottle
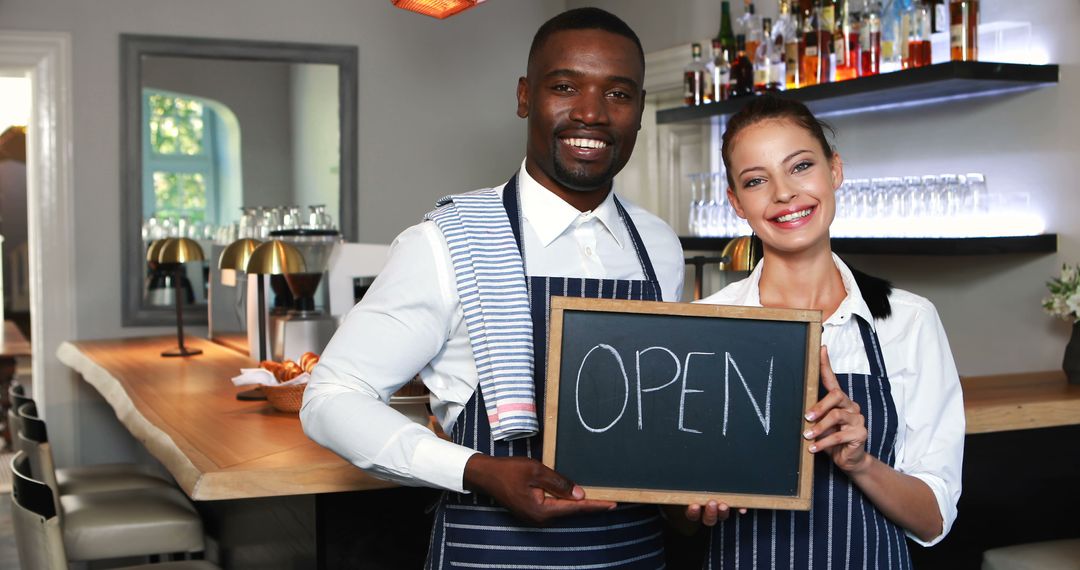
815	63
742	70
846	44
786	34
870	40
891	53
919	38
828	23
964	30
725	35
750	26
719	73
694	79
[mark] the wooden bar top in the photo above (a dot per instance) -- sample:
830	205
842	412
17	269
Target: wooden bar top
185	412
1020	401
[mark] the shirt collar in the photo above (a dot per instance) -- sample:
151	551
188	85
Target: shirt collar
748	294
550	216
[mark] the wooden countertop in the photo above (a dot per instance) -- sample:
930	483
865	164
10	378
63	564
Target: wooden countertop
185	412
1020	401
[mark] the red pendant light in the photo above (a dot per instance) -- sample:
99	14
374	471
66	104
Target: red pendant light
436	8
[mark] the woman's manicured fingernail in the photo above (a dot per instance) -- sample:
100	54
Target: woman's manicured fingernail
813	449
808	434
810	416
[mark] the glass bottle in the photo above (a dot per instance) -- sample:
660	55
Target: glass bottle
919	36
742	70
750	27
694	79
870	40
846	44
720	73
891	53
786	32
769	67
815	65
726	35
964	30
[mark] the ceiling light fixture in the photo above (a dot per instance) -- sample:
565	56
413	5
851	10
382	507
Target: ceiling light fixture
436	8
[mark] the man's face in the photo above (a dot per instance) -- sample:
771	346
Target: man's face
583	98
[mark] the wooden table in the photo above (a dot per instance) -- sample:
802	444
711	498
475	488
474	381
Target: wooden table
1030	400
13	344
185	412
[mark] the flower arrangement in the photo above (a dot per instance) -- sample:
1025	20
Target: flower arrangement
1064	299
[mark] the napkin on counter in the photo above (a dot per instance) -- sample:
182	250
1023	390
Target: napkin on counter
263	377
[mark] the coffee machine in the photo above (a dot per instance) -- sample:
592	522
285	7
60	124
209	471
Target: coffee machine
307	325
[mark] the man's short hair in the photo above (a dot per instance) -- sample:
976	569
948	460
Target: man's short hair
585	19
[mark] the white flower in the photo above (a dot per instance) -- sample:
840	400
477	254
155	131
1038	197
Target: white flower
1073	303
1068	274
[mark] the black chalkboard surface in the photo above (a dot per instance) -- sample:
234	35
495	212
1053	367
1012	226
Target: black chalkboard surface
680	403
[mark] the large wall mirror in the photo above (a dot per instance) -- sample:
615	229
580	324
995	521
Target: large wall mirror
212	127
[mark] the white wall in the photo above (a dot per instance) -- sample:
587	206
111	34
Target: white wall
316	175
1024	141
436	115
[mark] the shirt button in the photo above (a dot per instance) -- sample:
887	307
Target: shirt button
588	251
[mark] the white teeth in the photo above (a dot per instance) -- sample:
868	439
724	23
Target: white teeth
794	215
585	143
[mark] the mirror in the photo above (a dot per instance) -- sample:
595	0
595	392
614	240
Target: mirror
212	126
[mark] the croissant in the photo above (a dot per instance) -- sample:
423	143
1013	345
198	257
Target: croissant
308	360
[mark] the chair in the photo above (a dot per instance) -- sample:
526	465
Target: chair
1049	555
111	524
38	536
82	478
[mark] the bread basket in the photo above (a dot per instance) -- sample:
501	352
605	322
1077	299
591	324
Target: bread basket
285	398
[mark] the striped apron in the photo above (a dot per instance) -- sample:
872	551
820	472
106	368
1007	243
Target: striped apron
472	531
843	529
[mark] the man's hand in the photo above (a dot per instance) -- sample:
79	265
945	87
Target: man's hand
519	484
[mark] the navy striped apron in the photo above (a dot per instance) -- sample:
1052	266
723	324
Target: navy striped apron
472	531
843	529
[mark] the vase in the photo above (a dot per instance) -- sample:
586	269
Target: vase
1071	363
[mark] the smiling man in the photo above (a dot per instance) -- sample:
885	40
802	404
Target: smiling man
463	302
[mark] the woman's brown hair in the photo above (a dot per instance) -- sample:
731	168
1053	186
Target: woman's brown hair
771	106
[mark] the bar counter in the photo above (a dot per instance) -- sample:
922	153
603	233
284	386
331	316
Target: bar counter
185	412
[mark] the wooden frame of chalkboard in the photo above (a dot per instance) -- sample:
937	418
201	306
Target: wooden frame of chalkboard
764	462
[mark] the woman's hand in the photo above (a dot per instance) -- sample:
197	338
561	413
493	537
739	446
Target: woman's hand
839	427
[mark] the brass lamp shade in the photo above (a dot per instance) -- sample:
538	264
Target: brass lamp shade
275	257
740	253
237	254
153	251
180	250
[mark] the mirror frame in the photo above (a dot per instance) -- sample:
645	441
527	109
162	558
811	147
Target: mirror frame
133	48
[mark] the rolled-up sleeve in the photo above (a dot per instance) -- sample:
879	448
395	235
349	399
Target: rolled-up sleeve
934	424
402	323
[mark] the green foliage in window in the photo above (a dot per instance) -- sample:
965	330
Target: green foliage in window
176	125
179	194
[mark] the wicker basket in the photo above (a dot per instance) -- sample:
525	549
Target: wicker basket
285	398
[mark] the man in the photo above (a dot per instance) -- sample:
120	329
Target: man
463	300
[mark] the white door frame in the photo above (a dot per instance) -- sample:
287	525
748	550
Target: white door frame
46	59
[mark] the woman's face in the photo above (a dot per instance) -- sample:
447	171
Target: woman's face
784	185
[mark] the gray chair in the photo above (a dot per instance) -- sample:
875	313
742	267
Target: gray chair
112	524
82	478
1049	555
38	535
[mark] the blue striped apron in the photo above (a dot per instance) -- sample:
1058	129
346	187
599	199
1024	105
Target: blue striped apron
472	531
843	529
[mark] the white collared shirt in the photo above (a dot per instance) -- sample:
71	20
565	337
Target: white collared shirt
411	321
922	376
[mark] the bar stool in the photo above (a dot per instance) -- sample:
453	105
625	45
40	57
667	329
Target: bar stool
38	537
82	478
112	524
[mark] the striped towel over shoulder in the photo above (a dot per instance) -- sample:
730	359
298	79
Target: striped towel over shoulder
491	284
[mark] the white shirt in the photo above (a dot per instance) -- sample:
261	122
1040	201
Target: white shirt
922	376
410	321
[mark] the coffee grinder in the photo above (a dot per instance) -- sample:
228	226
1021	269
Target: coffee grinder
308	325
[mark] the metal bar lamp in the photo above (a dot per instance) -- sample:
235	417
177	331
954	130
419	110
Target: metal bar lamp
273	257
172	254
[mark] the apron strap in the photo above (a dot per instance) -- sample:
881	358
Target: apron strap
872	346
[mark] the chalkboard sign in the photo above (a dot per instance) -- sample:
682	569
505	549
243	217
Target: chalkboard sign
680	403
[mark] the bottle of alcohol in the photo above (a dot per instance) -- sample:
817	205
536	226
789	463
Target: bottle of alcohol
870	40
742	70
750	26
761	58
964	30
828	23
725	35
846	44
891	53
694	79
815	63
786	34
720	73
919	37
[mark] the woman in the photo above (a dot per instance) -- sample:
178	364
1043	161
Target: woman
888	430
